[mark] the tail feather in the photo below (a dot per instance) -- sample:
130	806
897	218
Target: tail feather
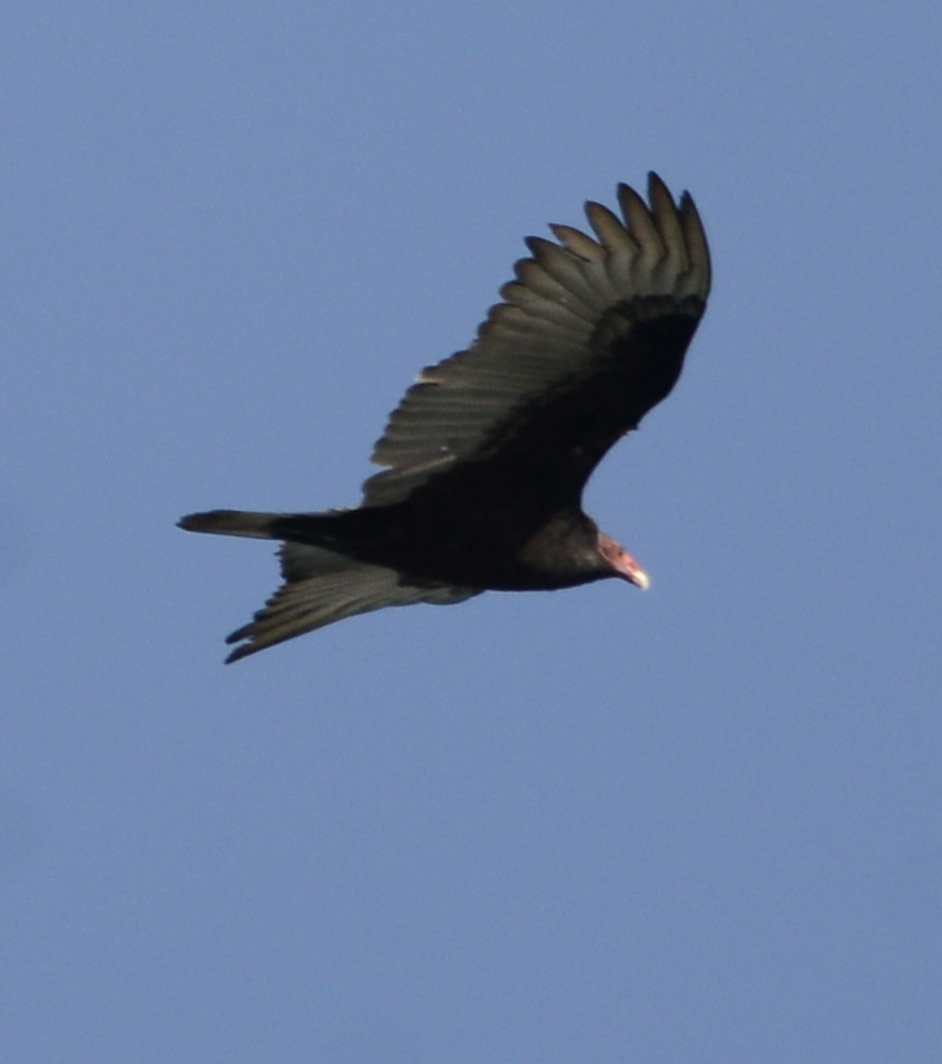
231	523
321	586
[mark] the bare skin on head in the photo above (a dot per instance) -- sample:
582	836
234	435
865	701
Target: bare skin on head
622	563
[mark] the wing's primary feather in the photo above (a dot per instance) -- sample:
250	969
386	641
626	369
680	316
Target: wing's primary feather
567	318
322	587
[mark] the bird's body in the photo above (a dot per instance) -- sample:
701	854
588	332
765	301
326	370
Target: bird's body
488	454
498	556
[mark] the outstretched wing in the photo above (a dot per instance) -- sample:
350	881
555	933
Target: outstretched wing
589	337
322	587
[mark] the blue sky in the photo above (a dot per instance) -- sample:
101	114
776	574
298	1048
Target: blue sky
698	824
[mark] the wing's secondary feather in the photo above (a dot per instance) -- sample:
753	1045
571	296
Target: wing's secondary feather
544	336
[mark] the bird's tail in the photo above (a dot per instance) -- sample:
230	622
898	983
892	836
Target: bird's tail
232	523
321	586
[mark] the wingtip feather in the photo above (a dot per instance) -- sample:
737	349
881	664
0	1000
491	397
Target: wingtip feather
542	330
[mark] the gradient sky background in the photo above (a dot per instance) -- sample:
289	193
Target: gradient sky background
702	824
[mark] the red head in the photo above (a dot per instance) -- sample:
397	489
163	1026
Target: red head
621	562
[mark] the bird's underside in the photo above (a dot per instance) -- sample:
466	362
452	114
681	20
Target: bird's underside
487	455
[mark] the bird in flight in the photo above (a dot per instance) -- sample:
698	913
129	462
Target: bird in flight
487	455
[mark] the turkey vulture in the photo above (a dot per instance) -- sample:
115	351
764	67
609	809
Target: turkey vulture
487	455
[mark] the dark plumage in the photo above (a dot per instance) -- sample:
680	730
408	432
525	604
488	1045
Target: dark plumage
487	455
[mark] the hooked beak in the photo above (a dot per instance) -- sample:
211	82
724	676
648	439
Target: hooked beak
633	573
622	563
